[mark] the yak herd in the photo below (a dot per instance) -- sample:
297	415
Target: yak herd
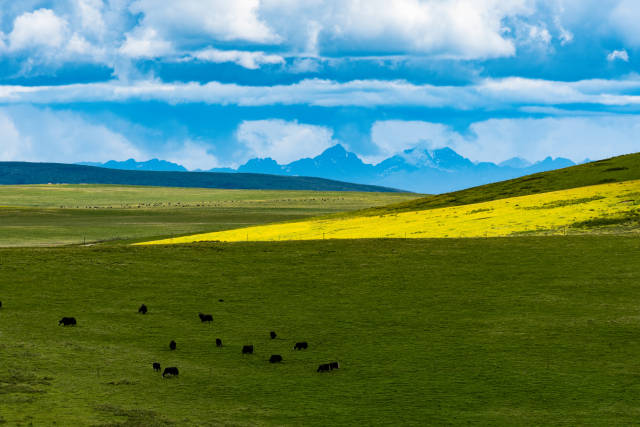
172	371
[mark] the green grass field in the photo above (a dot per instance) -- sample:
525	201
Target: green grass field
45	215
528	330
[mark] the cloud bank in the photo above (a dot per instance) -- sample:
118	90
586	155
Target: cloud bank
110	32
68	137
488	93
496	140
281	140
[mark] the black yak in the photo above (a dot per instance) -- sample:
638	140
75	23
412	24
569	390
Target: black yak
334	365
172	345
142	309
205	317
156	366
325	367
301	345
272	335
247	349
170	371
218	342
67	321
275	358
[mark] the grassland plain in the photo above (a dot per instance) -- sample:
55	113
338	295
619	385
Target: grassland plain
533	330
551	212
70	214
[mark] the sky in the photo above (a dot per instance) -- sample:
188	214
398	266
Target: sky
214	83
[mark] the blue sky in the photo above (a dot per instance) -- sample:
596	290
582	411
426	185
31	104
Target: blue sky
213	83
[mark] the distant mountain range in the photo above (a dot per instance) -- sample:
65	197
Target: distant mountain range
419	170
132	165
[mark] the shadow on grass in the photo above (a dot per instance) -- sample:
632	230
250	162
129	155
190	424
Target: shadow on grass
19	382
132	417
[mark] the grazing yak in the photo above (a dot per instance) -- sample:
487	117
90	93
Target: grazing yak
272	335
67	321
301	345
205	317
325	367
156	366
171	371
172	345
142	309
218	342
0	304
247	349
275	358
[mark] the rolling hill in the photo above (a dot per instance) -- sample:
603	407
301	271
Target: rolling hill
59	173
615	169
600	193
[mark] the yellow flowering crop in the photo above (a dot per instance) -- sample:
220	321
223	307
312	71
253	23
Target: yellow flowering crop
548	212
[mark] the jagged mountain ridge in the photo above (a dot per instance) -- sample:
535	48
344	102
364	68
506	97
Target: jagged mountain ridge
425	171
420	170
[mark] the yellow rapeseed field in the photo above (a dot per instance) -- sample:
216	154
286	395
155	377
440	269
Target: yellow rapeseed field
548	212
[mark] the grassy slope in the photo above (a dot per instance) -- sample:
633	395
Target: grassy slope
616	169
389	224
490	331
582	209
64	214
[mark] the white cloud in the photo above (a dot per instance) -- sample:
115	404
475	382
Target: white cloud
91	14
488	93
450	28
536	36
391	137
281	140
246	59
112	31
573	137
40	28
49	39
145	43
190	154
304	65
496	140
79	45
206	19
59	136
13	145
68	137
621	55
624	21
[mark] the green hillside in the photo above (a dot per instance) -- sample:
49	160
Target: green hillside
615	169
